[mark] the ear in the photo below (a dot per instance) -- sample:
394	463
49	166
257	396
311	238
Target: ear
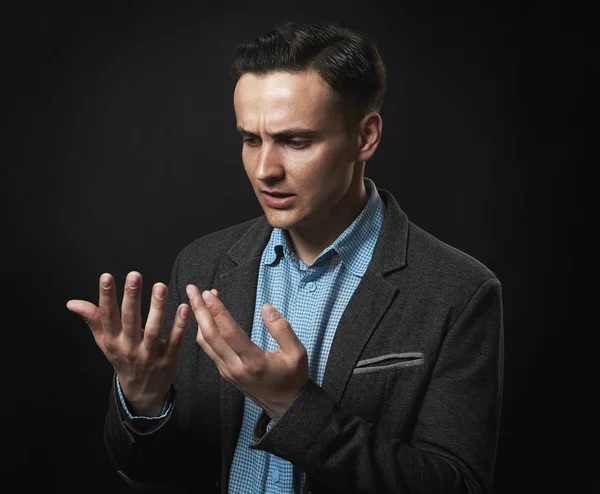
369	135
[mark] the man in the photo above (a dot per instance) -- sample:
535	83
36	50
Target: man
332	345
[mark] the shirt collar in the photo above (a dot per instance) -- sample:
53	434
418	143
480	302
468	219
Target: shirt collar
355	244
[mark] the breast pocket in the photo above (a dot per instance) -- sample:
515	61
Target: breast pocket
391	361
374	380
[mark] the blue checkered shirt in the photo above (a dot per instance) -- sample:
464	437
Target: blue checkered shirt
313	299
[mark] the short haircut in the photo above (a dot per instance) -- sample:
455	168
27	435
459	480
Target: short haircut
346	59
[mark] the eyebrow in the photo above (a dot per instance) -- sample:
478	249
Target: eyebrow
283	134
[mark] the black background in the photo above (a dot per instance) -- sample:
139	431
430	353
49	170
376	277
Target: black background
122	149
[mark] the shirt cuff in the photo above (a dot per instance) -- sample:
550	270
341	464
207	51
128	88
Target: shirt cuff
141	418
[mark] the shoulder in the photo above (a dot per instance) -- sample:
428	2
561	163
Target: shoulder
440	255
418	258
210	247
444	268
443	281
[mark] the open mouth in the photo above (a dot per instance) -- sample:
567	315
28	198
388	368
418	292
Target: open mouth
278	200
278	194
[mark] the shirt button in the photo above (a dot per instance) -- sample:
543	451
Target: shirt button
311	287
276	476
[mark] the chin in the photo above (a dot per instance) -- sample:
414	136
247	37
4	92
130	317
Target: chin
279	223
281	220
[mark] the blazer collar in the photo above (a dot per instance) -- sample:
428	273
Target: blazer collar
389	253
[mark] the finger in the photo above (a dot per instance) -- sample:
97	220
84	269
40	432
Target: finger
208	330
281	330
109	310
156	317
89	313
210	352
176	337
231	332
131	308
215	292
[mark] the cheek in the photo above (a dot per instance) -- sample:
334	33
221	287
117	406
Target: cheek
315	162
302	165
327	167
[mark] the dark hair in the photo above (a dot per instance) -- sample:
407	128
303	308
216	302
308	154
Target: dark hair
346	59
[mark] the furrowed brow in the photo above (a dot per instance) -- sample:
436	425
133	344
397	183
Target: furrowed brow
284	134
243	131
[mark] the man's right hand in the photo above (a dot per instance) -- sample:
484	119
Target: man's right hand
145	363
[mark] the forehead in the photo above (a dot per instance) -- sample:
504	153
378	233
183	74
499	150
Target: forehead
281	99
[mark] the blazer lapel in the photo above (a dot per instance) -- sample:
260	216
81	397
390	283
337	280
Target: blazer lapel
370	301
237	282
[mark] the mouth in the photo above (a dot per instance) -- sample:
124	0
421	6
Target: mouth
278	200
278	194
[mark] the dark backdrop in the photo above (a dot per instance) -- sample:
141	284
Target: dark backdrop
122	149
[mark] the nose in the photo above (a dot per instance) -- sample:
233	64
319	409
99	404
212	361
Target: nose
269	165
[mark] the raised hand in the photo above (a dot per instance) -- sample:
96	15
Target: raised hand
271	379
145	363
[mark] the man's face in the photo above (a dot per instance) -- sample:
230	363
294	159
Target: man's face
295	142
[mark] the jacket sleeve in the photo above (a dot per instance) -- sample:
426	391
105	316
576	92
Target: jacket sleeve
453	443
142	458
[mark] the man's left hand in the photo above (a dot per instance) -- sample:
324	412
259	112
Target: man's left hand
271	379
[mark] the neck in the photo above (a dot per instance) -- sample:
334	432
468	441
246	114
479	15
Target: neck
308	242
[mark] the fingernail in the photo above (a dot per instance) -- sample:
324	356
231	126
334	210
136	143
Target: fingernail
190	292
271	313
159	292
184	311
206	296
132	281
105	281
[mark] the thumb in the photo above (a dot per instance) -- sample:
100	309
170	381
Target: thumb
89	313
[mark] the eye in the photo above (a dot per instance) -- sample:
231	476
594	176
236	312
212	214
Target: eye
250	141
296	144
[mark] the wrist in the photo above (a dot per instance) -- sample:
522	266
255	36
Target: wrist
146	407
143	404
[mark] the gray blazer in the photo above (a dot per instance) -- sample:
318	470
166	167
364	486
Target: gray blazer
412	391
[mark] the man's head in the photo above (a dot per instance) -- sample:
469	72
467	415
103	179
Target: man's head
307	102
345	59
